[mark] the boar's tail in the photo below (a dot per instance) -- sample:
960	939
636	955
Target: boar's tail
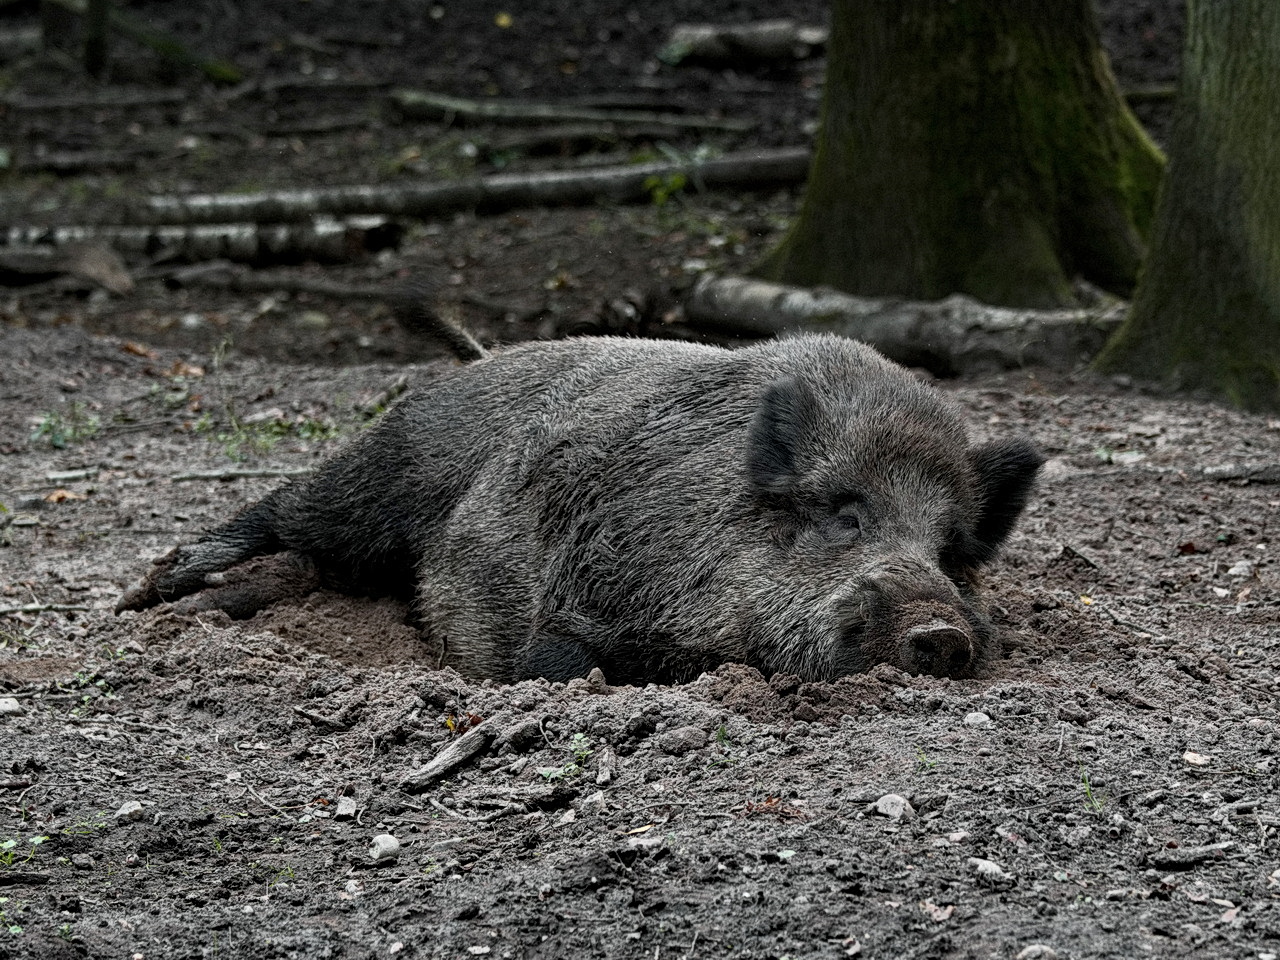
184	570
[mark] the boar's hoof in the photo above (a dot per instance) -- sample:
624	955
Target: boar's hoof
933	643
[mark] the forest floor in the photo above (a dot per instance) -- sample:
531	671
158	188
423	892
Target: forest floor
202	788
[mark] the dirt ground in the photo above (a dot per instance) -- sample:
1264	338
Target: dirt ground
204	788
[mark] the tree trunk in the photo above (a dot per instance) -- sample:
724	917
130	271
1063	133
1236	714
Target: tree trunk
979	147
1207	312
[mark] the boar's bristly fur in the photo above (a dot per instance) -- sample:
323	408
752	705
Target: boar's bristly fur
654	509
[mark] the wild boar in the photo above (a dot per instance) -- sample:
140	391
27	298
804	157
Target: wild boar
651	508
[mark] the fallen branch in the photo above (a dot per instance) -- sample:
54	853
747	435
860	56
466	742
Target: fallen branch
321	238
93	101
1252	472
242	473
626	182
471	744
424	105
742	43
42	608
955	335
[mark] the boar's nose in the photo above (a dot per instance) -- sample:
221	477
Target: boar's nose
935	639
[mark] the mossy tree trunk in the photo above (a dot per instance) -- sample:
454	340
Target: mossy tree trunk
979	147
1207	311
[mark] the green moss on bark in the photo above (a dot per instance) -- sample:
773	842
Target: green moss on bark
1207	311
969	147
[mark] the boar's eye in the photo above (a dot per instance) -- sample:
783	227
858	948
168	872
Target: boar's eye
845	525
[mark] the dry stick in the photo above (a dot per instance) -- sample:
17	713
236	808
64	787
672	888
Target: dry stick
504	191
42	608
425	105
95	101
242	473
955	335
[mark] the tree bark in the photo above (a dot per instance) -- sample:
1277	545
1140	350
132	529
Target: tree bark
978	147
1207	311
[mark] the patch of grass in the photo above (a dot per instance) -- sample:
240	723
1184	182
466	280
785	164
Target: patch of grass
86	826
60	430
1093	802
11	851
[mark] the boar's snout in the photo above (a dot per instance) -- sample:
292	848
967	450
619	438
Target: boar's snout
935	639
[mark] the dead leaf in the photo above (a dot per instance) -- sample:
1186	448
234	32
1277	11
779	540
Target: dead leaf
138	349
936	913
181	368
62	495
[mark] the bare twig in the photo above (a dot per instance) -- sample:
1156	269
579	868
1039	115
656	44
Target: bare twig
425	105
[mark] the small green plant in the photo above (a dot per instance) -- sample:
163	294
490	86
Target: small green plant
285	873
662	189
86	826
59	430
1093	802
580	747
64	932
724	743
11	850
9	915
923	761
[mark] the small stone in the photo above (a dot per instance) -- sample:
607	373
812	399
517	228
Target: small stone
682	740
1037	951
977	719
958	836
385	847
346	808
9	707
82	861
989	870
893	806
1243	570
129	810
1195	759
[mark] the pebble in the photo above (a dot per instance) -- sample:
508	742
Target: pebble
894	807
129	810
346	808
682	740
977	719
1037	951
1195	759
989	870
9	707
1243	569
385	847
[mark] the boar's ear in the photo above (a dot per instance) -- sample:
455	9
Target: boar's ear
1006	473
785	410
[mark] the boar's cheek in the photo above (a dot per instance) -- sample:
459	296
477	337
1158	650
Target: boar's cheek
786	411
1006	472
